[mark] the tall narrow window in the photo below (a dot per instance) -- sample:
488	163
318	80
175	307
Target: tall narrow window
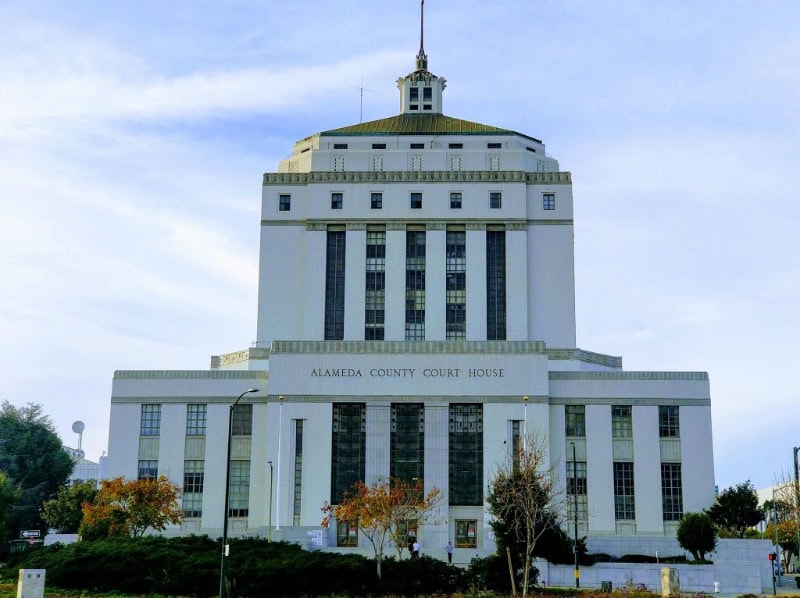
284	203
407	442
148	469
239	499
456	286
298	471
466	454
549	201
516	441
668	422
415	285
334	286
376	201
495	200
621	421
195	420
624	503
671	491
576	490
416	201
455	200
337	200
242	423
349	448
375	297
496	285
150	423
575	420
193	478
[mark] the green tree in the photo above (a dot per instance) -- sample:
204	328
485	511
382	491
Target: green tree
33	458
8	496
736	509
697	533
522	500
130	507
65	512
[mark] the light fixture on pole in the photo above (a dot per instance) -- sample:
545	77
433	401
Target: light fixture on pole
281	400
797	497
525	421
223	588
269	525
575	514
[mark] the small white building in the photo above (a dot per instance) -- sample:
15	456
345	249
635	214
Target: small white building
416	315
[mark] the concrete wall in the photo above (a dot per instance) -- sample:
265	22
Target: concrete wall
740	567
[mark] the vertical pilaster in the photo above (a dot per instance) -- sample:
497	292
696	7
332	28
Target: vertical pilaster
476	282
437	471
355	281
378	442
435	279
395	317
516	283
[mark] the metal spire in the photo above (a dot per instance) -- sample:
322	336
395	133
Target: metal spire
422	59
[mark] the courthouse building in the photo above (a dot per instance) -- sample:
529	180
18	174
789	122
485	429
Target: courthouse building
416	315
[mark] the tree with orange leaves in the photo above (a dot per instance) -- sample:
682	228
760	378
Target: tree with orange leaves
130	507
383	511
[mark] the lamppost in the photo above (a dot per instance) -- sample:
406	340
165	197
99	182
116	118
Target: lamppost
525	421
281	400
575	514
269	526
223	589
797	497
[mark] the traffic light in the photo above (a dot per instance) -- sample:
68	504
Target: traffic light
772	556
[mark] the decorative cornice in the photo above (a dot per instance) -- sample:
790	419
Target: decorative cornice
402	347
190	375
635	402
356	226
474	224
187	398
687	376
388	399
436	225
585	356
218	361
408	176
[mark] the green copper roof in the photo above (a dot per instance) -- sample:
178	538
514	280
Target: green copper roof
420	124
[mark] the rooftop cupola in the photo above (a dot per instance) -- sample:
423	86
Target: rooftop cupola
421	91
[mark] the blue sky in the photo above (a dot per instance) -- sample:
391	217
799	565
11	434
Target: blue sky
133	136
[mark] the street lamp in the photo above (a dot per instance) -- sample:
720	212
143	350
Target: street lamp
269	528
575	514
797	498
223	589
525	419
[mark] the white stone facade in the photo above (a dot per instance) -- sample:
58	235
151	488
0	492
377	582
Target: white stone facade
497	324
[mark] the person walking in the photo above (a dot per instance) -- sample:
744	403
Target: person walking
415	550
449	549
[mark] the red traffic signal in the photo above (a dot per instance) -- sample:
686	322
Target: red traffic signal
772	556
